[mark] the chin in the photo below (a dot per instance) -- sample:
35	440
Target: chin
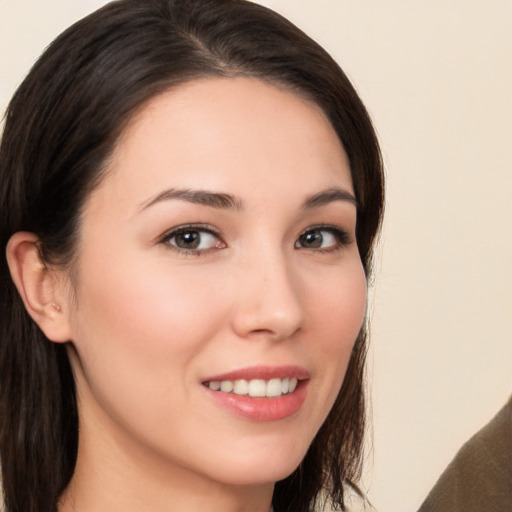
263	475
258	468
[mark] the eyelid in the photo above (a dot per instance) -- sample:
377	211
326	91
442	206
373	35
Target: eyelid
188	227
183	228
344	237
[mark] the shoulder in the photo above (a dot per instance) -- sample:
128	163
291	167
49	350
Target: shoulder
480	476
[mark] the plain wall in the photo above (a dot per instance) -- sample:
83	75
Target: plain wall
436	77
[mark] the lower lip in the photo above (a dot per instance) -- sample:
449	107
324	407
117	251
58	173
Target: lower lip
262	409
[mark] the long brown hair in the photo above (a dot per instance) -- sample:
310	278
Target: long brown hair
61	126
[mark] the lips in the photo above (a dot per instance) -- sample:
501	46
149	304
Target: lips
261	393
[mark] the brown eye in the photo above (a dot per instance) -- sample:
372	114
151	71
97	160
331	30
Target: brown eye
323	238
193	239
188	240
311	240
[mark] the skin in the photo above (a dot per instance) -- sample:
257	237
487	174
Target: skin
148	322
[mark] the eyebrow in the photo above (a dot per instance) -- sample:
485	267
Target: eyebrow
223	201
218	200
328	196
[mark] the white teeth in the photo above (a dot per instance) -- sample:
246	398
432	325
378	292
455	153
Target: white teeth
241	387
274	387
226	386
215	385
255	387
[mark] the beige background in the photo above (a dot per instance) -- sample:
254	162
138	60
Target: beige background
436	76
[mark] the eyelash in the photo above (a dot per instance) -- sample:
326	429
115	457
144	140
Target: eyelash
342	237
191	228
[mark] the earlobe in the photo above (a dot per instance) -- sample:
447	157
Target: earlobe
41	289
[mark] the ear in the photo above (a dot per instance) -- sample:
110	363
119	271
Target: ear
43	290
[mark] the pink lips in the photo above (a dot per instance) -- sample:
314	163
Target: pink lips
262	409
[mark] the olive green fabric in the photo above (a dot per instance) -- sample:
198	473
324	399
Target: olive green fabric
479	479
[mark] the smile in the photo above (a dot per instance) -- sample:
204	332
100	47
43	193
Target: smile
260	393
256	387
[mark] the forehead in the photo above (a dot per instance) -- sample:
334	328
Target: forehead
241	135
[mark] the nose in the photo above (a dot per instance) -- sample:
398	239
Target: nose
268	303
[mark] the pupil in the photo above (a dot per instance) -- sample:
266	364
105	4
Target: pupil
312	239
188	240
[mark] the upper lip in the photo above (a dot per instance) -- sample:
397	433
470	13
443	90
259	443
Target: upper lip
263	373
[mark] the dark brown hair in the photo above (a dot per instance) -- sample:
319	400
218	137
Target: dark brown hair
61	126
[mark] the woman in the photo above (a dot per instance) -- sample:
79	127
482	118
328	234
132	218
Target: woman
192	191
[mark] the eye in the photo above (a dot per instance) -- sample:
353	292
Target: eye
193	239
324	238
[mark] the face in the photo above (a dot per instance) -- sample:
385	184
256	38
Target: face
218	289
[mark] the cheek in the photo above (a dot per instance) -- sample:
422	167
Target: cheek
146	307
339	310
141	325
138	340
